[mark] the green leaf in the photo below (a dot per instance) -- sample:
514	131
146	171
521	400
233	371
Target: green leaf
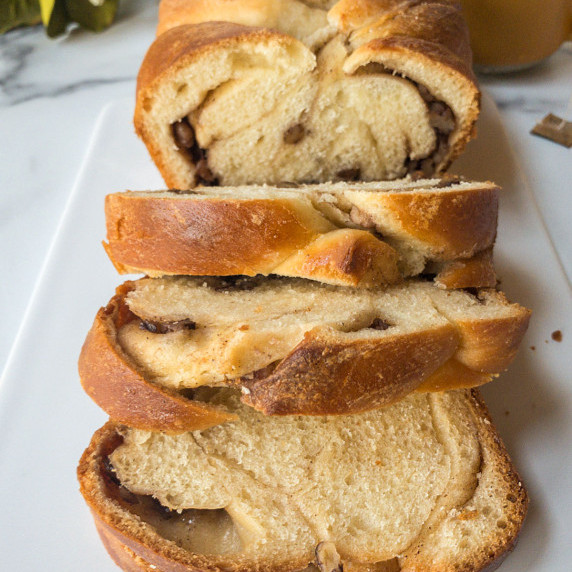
94	18
14	13
57	14
54	16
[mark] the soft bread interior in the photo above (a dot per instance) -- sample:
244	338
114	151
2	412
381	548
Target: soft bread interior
240	327
239	331
425	484
371	124
375	484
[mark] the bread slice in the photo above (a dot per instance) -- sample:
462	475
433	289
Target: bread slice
292	346
240	92
423	485
354	234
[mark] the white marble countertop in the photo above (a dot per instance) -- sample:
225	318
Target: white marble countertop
51	92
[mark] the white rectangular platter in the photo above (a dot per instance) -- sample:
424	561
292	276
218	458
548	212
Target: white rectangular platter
46	421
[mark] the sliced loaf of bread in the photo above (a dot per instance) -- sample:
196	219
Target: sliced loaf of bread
355	234
424	484
292	346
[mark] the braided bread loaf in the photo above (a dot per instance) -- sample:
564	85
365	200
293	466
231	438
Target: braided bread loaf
241	91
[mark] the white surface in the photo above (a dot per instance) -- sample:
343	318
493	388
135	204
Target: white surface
51	93
523	100
46	420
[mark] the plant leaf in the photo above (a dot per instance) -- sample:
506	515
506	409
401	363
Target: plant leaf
57	14
90	16
54	16
15	13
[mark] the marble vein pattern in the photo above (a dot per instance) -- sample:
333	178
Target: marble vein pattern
21	52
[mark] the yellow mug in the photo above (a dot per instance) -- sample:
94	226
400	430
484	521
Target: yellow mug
509	35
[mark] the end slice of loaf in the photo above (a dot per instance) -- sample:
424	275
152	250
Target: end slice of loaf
355	234
291	346
240	92
425	484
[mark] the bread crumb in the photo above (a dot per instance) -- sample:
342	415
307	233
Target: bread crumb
532	348
468	515
557	336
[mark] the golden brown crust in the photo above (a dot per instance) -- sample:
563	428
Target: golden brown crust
121	554
110	378
173	13
417	25
489	346
202	237
350	15
322	376
134	545
225	237
475	272
345	257
456	224
516	494
163	233
453	375
178	13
